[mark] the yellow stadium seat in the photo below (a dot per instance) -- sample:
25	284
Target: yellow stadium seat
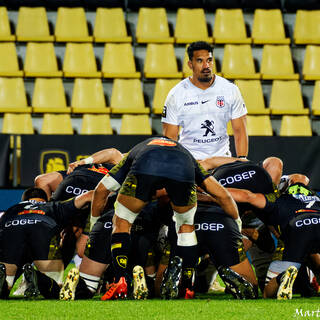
5	30
56	124
135	124
127	97
259	126
118	61
79	61
251	91
311	64
33	25
161	90
17	123
9	66
41	61
238	62
96	124
307	27
110	26
71	25
191	25
316	99
229	27
161	62
295	126
229	129
286	98
88	97
13	96
268	27
152	26
277	63
49	96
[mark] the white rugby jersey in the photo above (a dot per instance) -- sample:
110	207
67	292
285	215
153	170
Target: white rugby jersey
203	115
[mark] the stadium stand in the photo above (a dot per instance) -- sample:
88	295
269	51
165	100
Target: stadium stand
56	124
5	29
311	65
9	66
135	124
295	126
259	126
96	124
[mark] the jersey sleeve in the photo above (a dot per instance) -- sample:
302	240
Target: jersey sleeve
170	111
200	173
238	108
120	171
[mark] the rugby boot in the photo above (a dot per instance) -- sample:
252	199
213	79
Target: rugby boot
169	288
68	289
189	294
287	280
116	290
3	276
237	285
140	290
30	275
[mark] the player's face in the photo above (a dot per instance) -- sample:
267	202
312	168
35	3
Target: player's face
202	65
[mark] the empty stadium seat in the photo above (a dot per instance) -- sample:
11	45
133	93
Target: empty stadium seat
79	61
17	123
307	27
118	61
295	126
5	30
316	99
13	96
96	124
238	62
88	97
49	96
41	61
161	62
229	27
268	27
56	124
276	63
9	66
259	126
286	98
191	25
71	25
152	26
135	124
161	90
252	94
33	25
127	97
311	64
110	26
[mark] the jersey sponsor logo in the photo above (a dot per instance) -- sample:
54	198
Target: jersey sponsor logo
53	160
220	101
209	140
162	142
192	103
21	222
75	190
205	101
307	222
208	226
102	170
164	112
208	125
306	199
31	211
107	225
237	178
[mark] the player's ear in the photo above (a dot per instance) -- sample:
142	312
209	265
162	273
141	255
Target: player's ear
190	64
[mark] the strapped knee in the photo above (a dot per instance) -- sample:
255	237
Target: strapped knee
124	213
184	218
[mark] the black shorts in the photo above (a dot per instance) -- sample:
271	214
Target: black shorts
98	247
143	187
301	237
29	235
218	235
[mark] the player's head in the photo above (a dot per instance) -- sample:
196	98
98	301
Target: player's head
201	60
33	193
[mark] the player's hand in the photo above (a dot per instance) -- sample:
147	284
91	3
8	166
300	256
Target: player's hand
73	165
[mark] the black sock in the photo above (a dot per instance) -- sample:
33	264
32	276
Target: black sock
82	291
4	291
120	248
47	286
279	276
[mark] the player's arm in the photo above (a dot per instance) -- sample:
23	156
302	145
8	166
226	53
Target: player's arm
258	200
214	162
170	130
110	155
239	127
83	199
48	182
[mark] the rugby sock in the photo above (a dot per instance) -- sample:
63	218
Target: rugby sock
82	291
47	286
4	292
120	248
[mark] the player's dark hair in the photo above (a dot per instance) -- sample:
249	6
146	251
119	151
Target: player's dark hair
34	192
198	45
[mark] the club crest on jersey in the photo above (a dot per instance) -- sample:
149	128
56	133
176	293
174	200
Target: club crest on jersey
220	101
208	125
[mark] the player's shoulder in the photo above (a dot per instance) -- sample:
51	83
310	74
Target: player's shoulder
181	86
220	81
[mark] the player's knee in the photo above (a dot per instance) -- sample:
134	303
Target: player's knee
124	213
184	218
